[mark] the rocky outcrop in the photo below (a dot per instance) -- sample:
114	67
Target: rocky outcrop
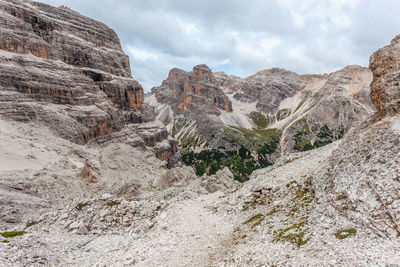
151	136
223	180
191	91
361	179
385	65
68	72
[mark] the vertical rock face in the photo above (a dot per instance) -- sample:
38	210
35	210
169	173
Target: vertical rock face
59	34
385	89
190	91
64	69
68	72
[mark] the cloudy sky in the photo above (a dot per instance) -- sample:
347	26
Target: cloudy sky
241	37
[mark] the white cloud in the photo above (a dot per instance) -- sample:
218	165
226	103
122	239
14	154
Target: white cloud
142	54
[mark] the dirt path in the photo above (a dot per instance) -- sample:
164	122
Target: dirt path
192	235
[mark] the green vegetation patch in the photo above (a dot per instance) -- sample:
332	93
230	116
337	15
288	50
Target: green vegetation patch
255	220
30	224
322	135
112	203
291	160
293	234
325	136
266	135
303	145
300	193
293	215
241	162
166	121
186	132
12	234
282	114
344	102
177	126
17	233
260	120
80	206
251	138
255	148
302	135
273	211
191	139
342	234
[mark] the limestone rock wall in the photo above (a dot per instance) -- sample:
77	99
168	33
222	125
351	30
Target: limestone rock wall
385	90
190	91
67	72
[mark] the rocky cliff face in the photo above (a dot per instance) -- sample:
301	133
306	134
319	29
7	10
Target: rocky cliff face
385	65
66	71
192	91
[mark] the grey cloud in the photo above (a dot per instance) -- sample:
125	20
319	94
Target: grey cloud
242	37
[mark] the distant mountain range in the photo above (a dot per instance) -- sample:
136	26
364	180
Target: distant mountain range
265	115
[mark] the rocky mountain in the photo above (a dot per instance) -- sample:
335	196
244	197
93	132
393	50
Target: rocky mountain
81	185
261	117
68	72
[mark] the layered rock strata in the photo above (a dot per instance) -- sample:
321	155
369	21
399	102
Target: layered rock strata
66	71
191	91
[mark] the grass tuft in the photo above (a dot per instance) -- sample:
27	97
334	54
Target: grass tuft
342	234
253	218
12	234
113	203
30	224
